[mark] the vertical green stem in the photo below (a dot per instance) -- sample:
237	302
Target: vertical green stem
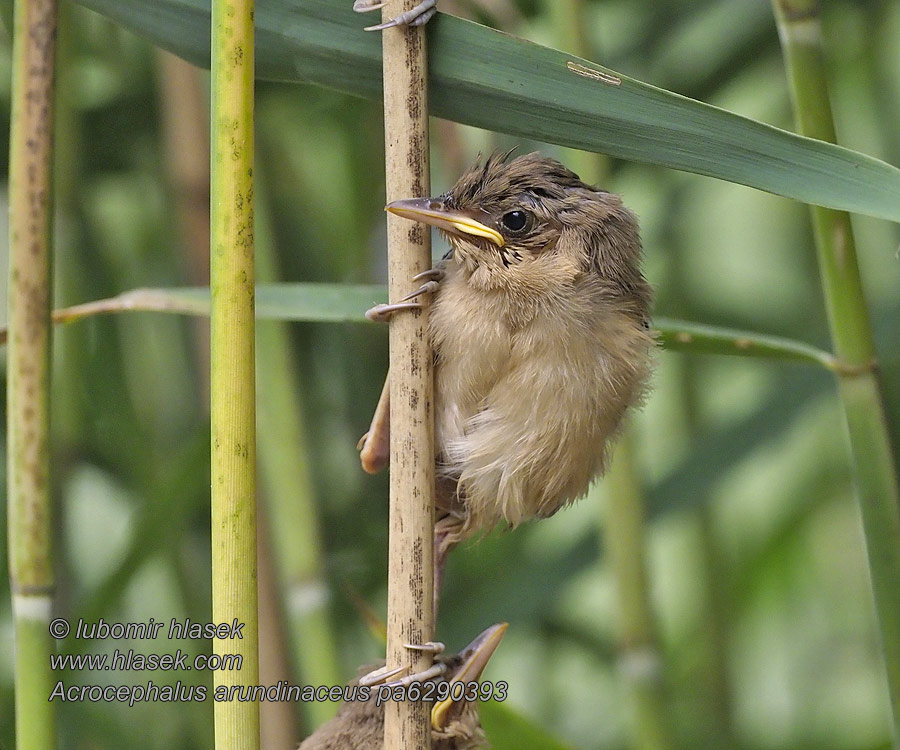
28	387
232	380
800	30
289	496
640	659
715	630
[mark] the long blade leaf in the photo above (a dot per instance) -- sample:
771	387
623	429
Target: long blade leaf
347	303
493	80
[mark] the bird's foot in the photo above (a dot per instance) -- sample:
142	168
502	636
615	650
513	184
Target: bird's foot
446	532
375	446
432	647
380	676
383	313
437	669
416	16
435	274
434	671
431	278
383	675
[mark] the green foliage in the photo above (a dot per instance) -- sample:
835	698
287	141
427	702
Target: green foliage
490	80
507	729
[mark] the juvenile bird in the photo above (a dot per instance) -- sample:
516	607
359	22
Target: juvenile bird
540	324
359	724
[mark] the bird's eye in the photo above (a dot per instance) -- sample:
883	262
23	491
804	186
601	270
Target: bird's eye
516	221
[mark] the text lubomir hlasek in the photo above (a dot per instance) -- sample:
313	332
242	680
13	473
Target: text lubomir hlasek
177	629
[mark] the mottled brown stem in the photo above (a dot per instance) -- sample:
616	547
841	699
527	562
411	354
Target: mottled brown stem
185	133
278	725
410	582
28	388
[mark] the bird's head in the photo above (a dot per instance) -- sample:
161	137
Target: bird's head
522	223
359	724
454	720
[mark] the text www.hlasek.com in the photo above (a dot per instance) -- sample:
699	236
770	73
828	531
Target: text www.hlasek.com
130	661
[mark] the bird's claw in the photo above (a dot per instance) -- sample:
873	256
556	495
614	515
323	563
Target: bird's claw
382	675
417	16
428	286
435	670
379	676
432	647
435	275
382	313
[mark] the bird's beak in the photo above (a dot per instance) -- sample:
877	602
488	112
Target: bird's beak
433	211
475	658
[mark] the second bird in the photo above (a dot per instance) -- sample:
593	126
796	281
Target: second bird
540	324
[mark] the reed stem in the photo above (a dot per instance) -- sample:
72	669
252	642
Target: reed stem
640	656
799	27
29	509
289	494
410	611
232	368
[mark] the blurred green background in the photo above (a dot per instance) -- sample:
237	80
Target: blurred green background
755	557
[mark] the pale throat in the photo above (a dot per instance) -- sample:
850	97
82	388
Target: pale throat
518	293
